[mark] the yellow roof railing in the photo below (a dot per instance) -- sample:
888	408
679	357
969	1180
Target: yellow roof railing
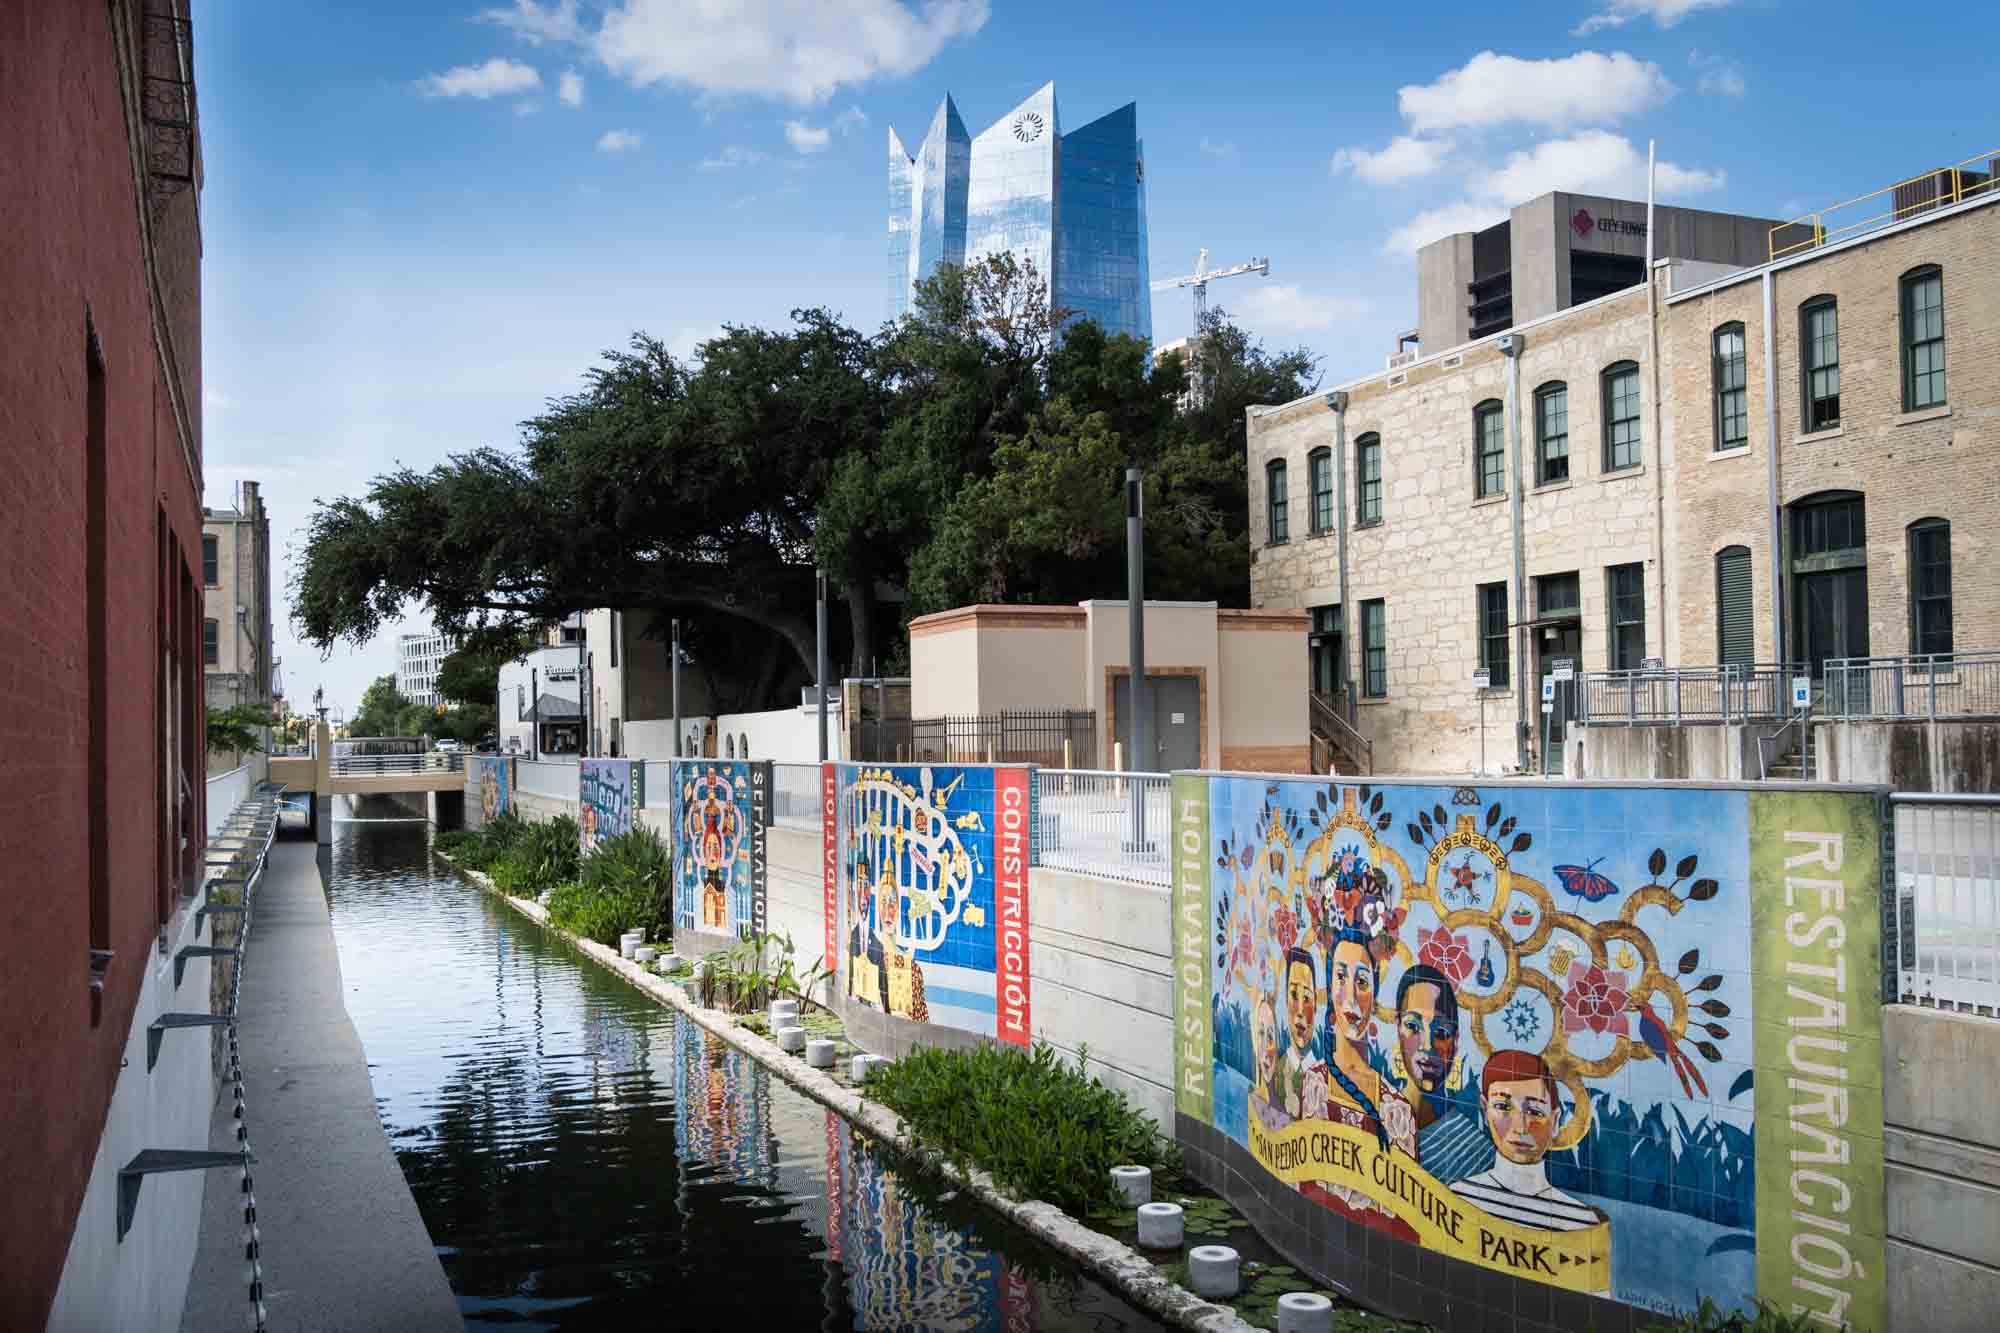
1937	188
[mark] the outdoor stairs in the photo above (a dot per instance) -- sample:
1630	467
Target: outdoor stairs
1795	763
1337	748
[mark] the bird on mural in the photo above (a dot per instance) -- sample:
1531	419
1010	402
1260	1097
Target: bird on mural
1663	1046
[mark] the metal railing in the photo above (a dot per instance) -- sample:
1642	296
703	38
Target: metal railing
226	791
1938	685
795	794
1054	737
1940	187
1084	822
395	765
1948	900
1683	696
555	778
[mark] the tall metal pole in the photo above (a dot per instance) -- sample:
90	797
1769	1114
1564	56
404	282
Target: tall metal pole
676	661
1135	604
819	665
582	694
534	713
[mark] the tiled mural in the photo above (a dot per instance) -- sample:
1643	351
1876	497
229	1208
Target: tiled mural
927	893
720	811
1609	1040
610	793
489	788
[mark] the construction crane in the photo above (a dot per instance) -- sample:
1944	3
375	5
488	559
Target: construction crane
1202	276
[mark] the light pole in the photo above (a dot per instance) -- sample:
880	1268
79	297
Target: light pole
676	672
1135	583
819	665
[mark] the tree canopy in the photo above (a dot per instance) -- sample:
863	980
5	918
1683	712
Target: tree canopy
973	450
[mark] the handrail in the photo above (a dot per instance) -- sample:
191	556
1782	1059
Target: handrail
1340	729
1679	696
1920	685
1818	235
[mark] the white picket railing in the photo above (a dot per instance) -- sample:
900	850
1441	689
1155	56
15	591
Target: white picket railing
1948	900
1112	825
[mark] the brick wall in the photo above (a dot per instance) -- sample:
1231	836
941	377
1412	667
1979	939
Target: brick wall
71	216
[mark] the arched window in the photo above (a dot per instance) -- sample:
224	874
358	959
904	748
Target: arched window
743	744
1735	608
1923	338
1621	416
728	746
1732	399
1552	433
1319	476
1819	364
1368	475
1930	586
1276	502
1489	449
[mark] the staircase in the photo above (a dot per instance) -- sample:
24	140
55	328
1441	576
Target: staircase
1794	761
1336	746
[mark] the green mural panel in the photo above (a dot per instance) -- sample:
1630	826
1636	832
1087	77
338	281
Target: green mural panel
1193	937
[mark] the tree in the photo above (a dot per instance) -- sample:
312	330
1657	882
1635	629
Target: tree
383	711
236	730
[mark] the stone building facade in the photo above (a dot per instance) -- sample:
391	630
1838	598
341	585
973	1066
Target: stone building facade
1459	558
237	667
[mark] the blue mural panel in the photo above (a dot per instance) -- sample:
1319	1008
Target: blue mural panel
720	807
490	788
610	793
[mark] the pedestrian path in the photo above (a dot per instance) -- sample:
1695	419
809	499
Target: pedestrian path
342	1245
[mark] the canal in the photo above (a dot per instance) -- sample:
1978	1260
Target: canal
583	1160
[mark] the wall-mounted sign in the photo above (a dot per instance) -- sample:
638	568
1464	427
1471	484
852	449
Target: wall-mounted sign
1563	668
1482	679
1582	223
554	674
1801	691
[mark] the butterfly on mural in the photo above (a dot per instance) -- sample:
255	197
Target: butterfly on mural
1584	882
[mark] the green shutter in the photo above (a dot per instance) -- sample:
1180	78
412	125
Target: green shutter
1735	607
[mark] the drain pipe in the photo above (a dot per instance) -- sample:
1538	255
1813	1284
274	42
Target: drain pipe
1771	476
1337	400
1510	347
1659	437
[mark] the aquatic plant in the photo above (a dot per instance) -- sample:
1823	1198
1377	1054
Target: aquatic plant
622	885
1041	1128
1711	1318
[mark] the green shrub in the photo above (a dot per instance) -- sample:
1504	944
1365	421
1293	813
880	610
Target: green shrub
1712	1319
624	884
540	856
453	842
1043	1129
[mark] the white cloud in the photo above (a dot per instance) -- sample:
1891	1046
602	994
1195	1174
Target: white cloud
1285	305
498	77
1492	89
807	138
1592	162
617	141
732	157
570	88
801	50
850	120
1406	158
1720	76
1217	147
535	25
1665	13
216	400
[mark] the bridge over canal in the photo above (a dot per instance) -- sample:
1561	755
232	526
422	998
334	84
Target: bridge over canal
437	778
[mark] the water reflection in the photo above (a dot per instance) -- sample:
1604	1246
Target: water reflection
583	1160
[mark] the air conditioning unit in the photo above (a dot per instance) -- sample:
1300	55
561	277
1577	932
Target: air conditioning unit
1397	360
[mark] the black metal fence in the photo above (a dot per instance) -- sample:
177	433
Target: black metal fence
1001	738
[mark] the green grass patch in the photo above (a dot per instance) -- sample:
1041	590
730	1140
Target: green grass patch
1043	1129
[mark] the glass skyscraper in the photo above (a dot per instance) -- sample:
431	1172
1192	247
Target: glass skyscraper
1073	203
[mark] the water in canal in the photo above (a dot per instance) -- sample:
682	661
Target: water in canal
585	1161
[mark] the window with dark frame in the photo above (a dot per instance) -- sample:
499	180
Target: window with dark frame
1276	502
1558	595
1551	433
1319	475
1930	587
1627	596
1494	639
1819	336
1923	339
1732	399
209	572
1621	416
1489	437
1735	607
1374	649
1368	468
211	642
1324	646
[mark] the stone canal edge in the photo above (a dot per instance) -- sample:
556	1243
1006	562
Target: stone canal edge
1130	1273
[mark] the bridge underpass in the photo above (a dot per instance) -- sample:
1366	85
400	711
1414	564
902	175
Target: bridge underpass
438	779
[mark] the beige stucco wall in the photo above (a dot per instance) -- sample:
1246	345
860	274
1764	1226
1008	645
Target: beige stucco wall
1262	700
1180	639
944	671
1030	668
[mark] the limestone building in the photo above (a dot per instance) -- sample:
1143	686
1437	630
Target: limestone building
236	602
1775	468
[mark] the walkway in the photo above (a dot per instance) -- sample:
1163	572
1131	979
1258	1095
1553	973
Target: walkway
343	1246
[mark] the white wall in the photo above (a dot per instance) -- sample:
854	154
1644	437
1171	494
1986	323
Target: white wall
785	735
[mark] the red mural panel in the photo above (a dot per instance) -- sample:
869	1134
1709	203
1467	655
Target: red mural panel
829	822
1010	887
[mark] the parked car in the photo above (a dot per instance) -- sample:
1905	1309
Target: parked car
446	745
488	745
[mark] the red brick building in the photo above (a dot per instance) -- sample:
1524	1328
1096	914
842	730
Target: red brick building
101	766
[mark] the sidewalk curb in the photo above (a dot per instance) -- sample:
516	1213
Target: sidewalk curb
1130	1273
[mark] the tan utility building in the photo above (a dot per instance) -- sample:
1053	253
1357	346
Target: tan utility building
1225	688
1773	468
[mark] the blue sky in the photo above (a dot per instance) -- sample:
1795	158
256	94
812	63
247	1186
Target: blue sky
422	218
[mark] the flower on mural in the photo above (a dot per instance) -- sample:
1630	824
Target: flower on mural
1239	955
1521	1021
1596	1001
1446	952
1312	1095
1399	1121
1286	922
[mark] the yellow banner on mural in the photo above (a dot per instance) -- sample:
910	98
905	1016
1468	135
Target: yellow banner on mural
1330	1154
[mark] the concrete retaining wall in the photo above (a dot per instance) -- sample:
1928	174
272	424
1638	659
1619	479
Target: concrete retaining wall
1910	756
1704	753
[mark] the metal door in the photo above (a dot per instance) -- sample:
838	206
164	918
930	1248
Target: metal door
1558	642
1174	710
1833	616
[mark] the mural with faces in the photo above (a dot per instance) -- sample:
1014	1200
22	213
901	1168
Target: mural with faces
1513	1026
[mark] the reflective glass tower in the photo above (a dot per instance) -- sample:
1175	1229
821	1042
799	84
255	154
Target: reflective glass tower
1073	203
